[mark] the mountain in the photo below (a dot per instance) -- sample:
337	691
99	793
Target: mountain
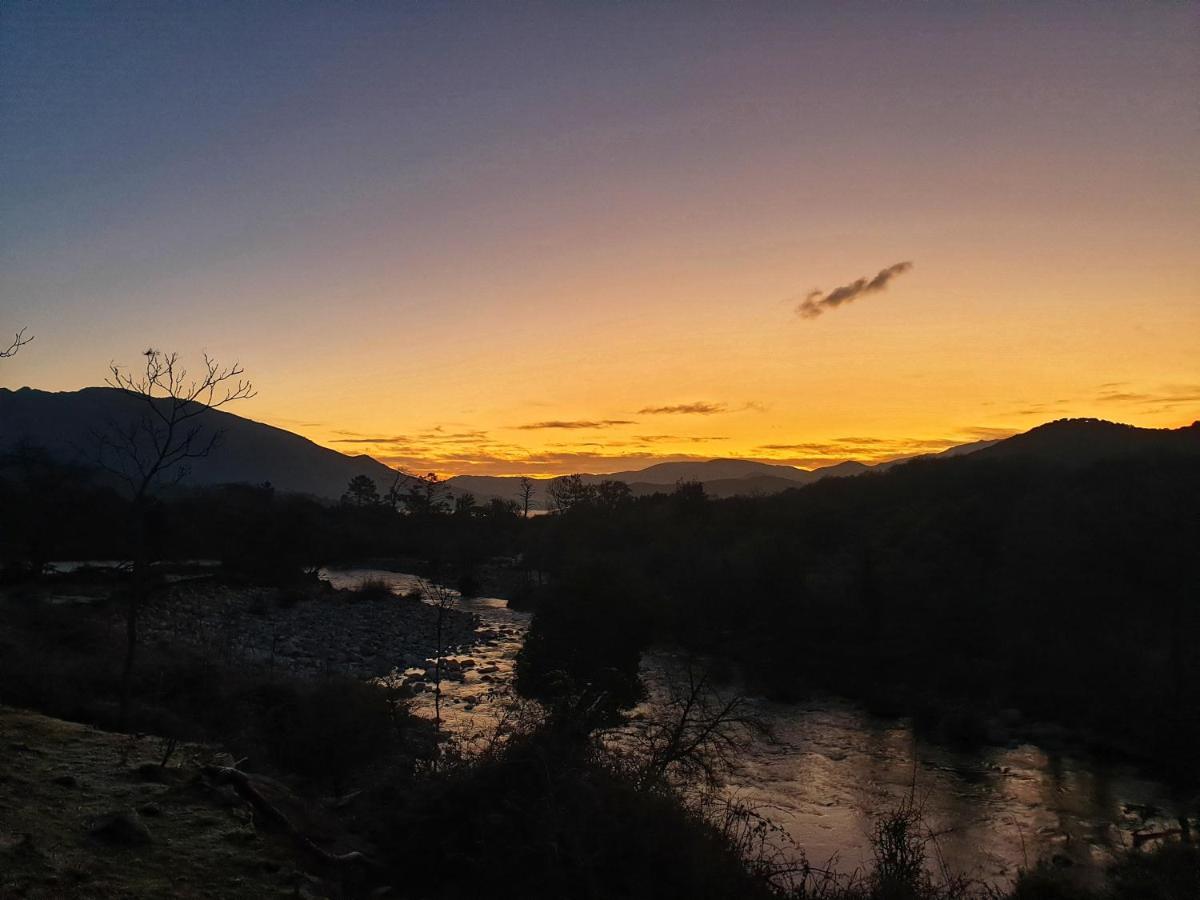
250	452
1080	442
720	477
709	470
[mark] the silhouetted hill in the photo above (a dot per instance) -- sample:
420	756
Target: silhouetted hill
707	471
65	423
1077	442
720	477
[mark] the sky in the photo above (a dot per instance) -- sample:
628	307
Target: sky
537	238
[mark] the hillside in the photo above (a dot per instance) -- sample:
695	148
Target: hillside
66	424
1076	442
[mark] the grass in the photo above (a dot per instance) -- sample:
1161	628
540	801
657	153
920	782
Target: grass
59	778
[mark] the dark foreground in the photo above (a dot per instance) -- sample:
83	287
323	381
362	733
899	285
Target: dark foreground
247	781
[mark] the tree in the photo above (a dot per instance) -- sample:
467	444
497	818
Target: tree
526	489
464	504
19	340
158	445
426	495
394	497
444	600
611	494
570	491
361	491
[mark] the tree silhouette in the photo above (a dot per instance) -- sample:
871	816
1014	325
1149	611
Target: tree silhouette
570	491
526	495
157	445
426	495
361	491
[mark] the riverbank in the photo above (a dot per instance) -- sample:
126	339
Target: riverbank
309	630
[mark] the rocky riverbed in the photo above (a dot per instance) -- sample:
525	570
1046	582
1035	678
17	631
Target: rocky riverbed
318	631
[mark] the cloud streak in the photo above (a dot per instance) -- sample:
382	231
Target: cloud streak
819	302
577	423
698	409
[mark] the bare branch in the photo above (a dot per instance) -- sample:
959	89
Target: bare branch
19	340
162	441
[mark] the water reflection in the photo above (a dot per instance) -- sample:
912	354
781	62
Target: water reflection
832	766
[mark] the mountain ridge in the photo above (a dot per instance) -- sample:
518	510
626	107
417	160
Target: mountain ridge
255	452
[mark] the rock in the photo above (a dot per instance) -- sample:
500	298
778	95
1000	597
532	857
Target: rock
122	828
150	809
65	780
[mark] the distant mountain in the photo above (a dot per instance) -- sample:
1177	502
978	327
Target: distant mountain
250	452
710	470
253	453
1069	442
720	477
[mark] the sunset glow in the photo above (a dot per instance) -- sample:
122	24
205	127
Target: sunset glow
538	240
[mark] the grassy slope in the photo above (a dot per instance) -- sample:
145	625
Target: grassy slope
204	843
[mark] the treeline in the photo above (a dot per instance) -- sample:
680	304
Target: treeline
52	511
945	589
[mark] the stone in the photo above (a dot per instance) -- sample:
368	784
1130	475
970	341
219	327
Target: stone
122	828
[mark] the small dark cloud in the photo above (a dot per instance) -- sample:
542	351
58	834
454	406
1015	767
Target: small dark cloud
579	423
698	409
367	439
818	302
673	438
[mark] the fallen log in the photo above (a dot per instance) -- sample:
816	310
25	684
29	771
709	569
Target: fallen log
241	782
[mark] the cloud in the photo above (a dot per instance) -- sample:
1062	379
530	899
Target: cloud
578	423
377	439
818	302
699	409
867	449
676	438
1169	395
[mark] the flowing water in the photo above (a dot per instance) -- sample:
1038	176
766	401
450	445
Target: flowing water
831	767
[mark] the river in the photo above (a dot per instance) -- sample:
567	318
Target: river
831	767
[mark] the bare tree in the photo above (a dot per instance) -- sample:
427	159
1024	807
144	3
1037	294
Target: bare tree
19	340
526	495
394	496
693	734
443	600
157	446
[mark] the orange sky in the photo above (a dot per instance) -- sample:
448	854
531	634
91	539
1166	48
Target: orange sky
561	239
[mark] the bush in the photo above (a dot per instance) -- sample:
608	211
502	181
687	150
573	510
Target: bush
327	730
